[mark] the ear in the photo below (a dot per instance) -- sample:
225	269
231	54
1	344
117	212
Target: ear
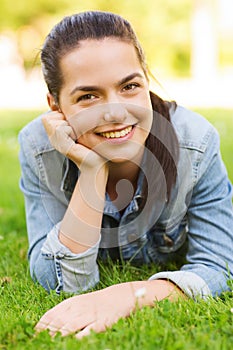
51	102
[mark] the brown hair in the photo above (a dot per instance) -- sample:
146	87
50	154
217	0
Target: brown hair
67	34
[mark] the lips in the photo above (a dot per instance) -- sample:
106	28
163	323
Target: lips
116	134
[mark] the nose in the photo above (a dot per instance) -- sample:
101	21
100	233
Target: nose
115	112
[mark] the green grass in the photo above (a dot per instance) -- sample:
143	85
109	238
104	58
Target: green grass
183	325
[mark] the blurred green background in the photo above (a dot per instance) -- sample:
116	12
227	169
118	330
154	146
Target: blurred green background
188	43
162	26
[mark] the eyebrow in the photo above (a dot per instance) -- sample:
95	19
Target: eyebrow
95	87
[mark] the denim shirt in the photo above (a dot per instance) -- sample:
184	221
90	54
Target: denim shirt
196	222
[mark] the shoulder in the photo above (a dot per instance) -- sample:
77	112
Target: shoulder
37	155
192	129
34	136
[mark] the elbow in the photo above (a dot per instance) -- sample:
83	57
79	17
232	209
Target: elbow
51	275
43	272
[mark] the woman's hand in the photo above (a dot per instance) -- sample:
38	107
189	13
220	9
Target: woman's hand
101	309
96	310
63	139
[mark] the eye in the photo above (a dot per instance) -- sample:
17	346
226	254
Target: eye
86	97
131	86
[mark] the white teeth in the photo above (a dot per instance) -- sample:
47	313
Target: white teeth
116	134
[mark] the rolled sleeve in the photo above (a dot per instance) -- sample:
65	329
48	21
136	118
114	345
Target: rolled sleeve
75	272
190	283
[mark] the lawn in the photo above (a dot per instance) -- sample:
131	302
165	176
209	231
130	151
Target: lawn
183	325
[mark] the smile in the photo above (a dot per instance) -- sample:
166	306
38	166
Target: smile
116	134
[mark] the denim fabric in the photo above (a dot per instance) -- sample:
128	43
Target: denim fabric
195	224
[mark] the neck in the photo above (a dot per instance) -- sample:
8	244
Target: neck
126	171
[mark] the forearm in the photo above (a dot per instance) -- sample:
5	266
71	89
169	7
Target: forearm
80	227
146	293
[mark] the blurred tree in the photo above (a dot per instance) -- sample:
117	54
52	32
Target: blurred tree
162	26
24	12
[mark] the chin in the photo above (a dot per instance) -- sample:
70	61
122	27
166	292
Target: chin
127	157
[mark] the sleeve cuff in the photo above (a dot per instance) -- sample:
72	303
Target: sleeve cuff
75	272
53	246
190	283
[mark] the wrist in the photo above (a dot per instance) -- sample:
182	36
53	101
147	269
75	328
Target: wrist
146	293
92	186
96	171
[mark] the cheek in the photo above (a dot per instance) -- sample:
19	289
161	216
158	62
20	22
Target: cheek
85	141
90	141
143	115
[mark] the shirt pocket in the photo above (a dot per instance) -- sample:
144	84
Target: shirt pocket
168	239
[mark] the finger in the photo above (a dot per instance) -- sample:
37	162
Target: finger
58	125
63	128
53	115
76	325
53	325
69	131
65	328
41	326
51	320
53	328
96	327
60	129
52	317
52	126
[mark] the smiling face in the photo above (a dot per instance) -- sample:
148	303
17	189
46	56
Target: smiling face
105	98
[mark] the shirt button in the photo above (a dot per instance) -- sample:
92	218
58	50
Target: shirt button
60	255
167	240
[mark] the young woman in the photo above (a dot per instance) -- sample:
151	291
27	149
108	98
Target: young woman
114	171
